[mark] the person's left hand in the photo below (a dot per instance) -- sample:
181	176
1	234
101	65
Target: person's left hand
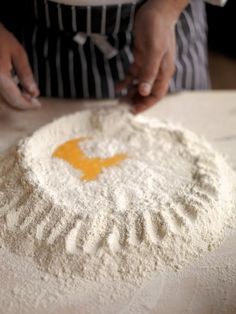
154	53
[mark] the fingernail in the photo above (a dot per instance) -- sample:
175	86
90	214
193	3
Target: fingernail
33	88
145	89
35	103
27	96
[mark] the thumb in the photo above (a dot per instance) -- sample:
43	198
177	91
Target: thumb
148	74
24	72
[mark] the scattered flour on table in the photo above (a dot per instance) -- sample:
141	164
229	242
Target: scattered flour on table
169	200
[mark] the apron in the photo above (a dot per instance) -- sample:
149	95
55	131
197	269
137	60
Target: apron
79	52
191	50
83	51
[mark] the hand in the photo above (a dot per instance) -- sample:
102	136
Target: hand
13	58
154	52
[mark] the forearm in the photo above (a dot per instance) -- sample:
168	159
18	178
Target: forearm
171	9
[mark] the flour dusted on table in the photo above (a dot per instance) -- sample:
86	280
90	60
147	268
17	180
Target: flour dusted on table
103	193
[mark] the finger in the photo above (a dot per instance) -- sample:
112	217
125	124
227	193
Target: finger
125	84
143	103
12	94
148	73
33	100
132	92
160	86
129	78
24	72
166	72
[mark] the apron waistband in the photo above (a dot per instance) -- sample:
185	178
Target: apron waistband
103	20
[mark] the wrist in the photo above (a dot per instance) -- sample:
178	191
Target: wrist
170	9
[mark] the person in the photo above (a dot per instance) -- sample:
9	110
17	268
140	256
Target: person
101	49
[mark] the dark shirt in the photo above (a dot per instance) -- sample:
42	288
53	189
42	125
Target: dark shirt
222	28
12	15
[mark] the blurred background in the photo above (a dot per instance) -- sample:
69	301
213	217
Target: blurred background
222	45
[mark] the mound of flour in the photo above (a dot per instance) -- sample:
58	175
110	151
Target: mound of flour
170	200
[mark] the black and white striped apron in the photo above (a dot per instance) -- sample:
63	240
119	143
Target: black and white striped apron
191	49
71	59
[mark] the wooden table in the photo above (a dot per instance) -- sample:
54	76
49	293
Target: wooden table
208	286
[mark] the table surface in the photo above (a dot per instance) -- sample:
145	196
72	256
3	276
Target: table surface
207	286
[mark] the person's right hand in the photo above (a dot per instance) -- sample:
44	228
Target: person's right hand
14	58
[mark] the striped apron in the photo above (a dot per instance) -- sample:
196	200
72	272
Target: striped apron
83	51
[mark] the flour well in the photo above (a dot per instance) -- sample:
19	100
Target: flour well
167	202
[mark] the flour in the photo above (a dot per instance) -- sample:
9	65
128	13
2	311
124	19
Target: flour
170	200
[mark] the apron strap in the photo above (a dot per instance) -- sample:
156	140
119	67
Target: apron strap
100	41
